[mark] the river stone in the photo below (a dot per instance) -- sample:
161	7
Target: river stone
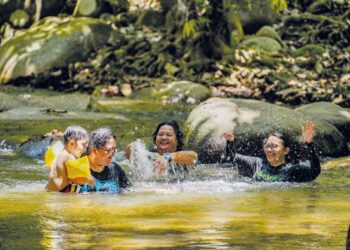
9	102
328	112
175	92
262	44
51	44
35	113
251	121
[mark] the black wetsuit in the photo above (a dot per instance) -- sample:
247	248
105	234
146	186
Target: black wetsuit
260	170
111	179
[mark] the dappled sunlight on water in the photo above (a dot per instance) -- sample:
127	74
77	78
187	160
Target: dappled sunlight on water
190	214
213	208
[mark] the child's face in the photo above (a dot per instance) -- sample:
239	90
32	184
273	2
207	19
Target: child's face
80	147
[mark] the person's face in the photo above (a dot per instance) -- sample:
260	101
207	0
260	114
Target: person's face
166	141
275	150
104	155
78	147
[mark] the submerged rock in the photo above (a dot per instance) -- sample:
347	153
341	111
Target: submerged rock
52	43
251	121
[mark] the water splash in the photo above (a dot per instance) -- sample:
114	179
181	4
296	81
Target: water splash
4	148
141	161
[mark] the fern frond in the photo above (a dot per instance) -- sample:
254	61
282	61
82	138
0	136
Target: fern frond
189	29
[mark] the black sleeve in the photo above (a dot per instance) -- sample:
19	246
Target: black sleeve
246	165
306	170
120	175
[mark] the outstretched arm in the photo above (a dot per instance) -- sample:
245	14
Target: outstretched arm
180	157
310	169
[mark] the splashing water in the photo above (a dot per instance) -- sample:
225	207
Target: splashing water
4	148
141	161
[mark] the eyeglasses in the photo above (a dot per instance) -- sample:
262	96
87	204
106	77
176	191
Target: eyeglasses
271	146
109	150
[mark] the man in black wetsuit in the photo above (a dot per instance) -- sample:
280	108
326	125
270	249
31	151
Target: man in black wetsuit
274	167
108	175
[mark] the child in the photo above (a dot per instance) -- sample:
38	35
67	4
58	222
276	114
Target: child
75	142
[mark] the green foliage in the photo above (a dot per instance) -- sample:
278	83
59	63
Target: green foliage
279	5
238	35
192	27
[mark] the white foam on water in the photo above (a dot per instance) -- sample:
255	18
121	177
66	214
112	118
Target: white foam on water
141	161
5	149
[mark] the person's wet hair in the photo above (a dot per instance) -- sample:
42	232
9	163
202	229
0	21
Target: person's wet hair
74	133
99	138
177	130
283	137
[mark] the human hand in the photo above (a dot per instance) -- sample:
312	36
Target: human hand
308	132
160	165
91	182
229	136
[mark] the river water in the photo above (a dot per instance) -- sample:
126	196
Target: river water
213	209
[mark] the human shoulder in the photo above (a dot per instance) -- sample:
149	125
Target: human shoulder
64	156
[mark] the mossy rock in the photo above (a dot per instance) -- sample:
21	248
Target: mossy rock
251	121
38	114
151	18
328	112
45	100
52	43
310	50
252	14
175	92
343	162
268	31
263	44
19	19
9	102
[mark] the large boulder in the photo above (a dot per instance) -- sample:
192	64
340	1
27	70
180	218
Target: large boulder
46	100
329	112
251	121
175	92
252	14
52	43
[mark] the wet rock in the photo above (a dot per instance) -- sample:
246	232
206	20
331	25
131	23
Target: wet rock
28	113
9	102
343	162
175	92
328	112
50	44
36	146
251	121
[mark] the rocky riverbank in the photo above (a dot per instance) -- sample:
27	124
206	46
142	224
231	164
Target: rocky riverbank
299	55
